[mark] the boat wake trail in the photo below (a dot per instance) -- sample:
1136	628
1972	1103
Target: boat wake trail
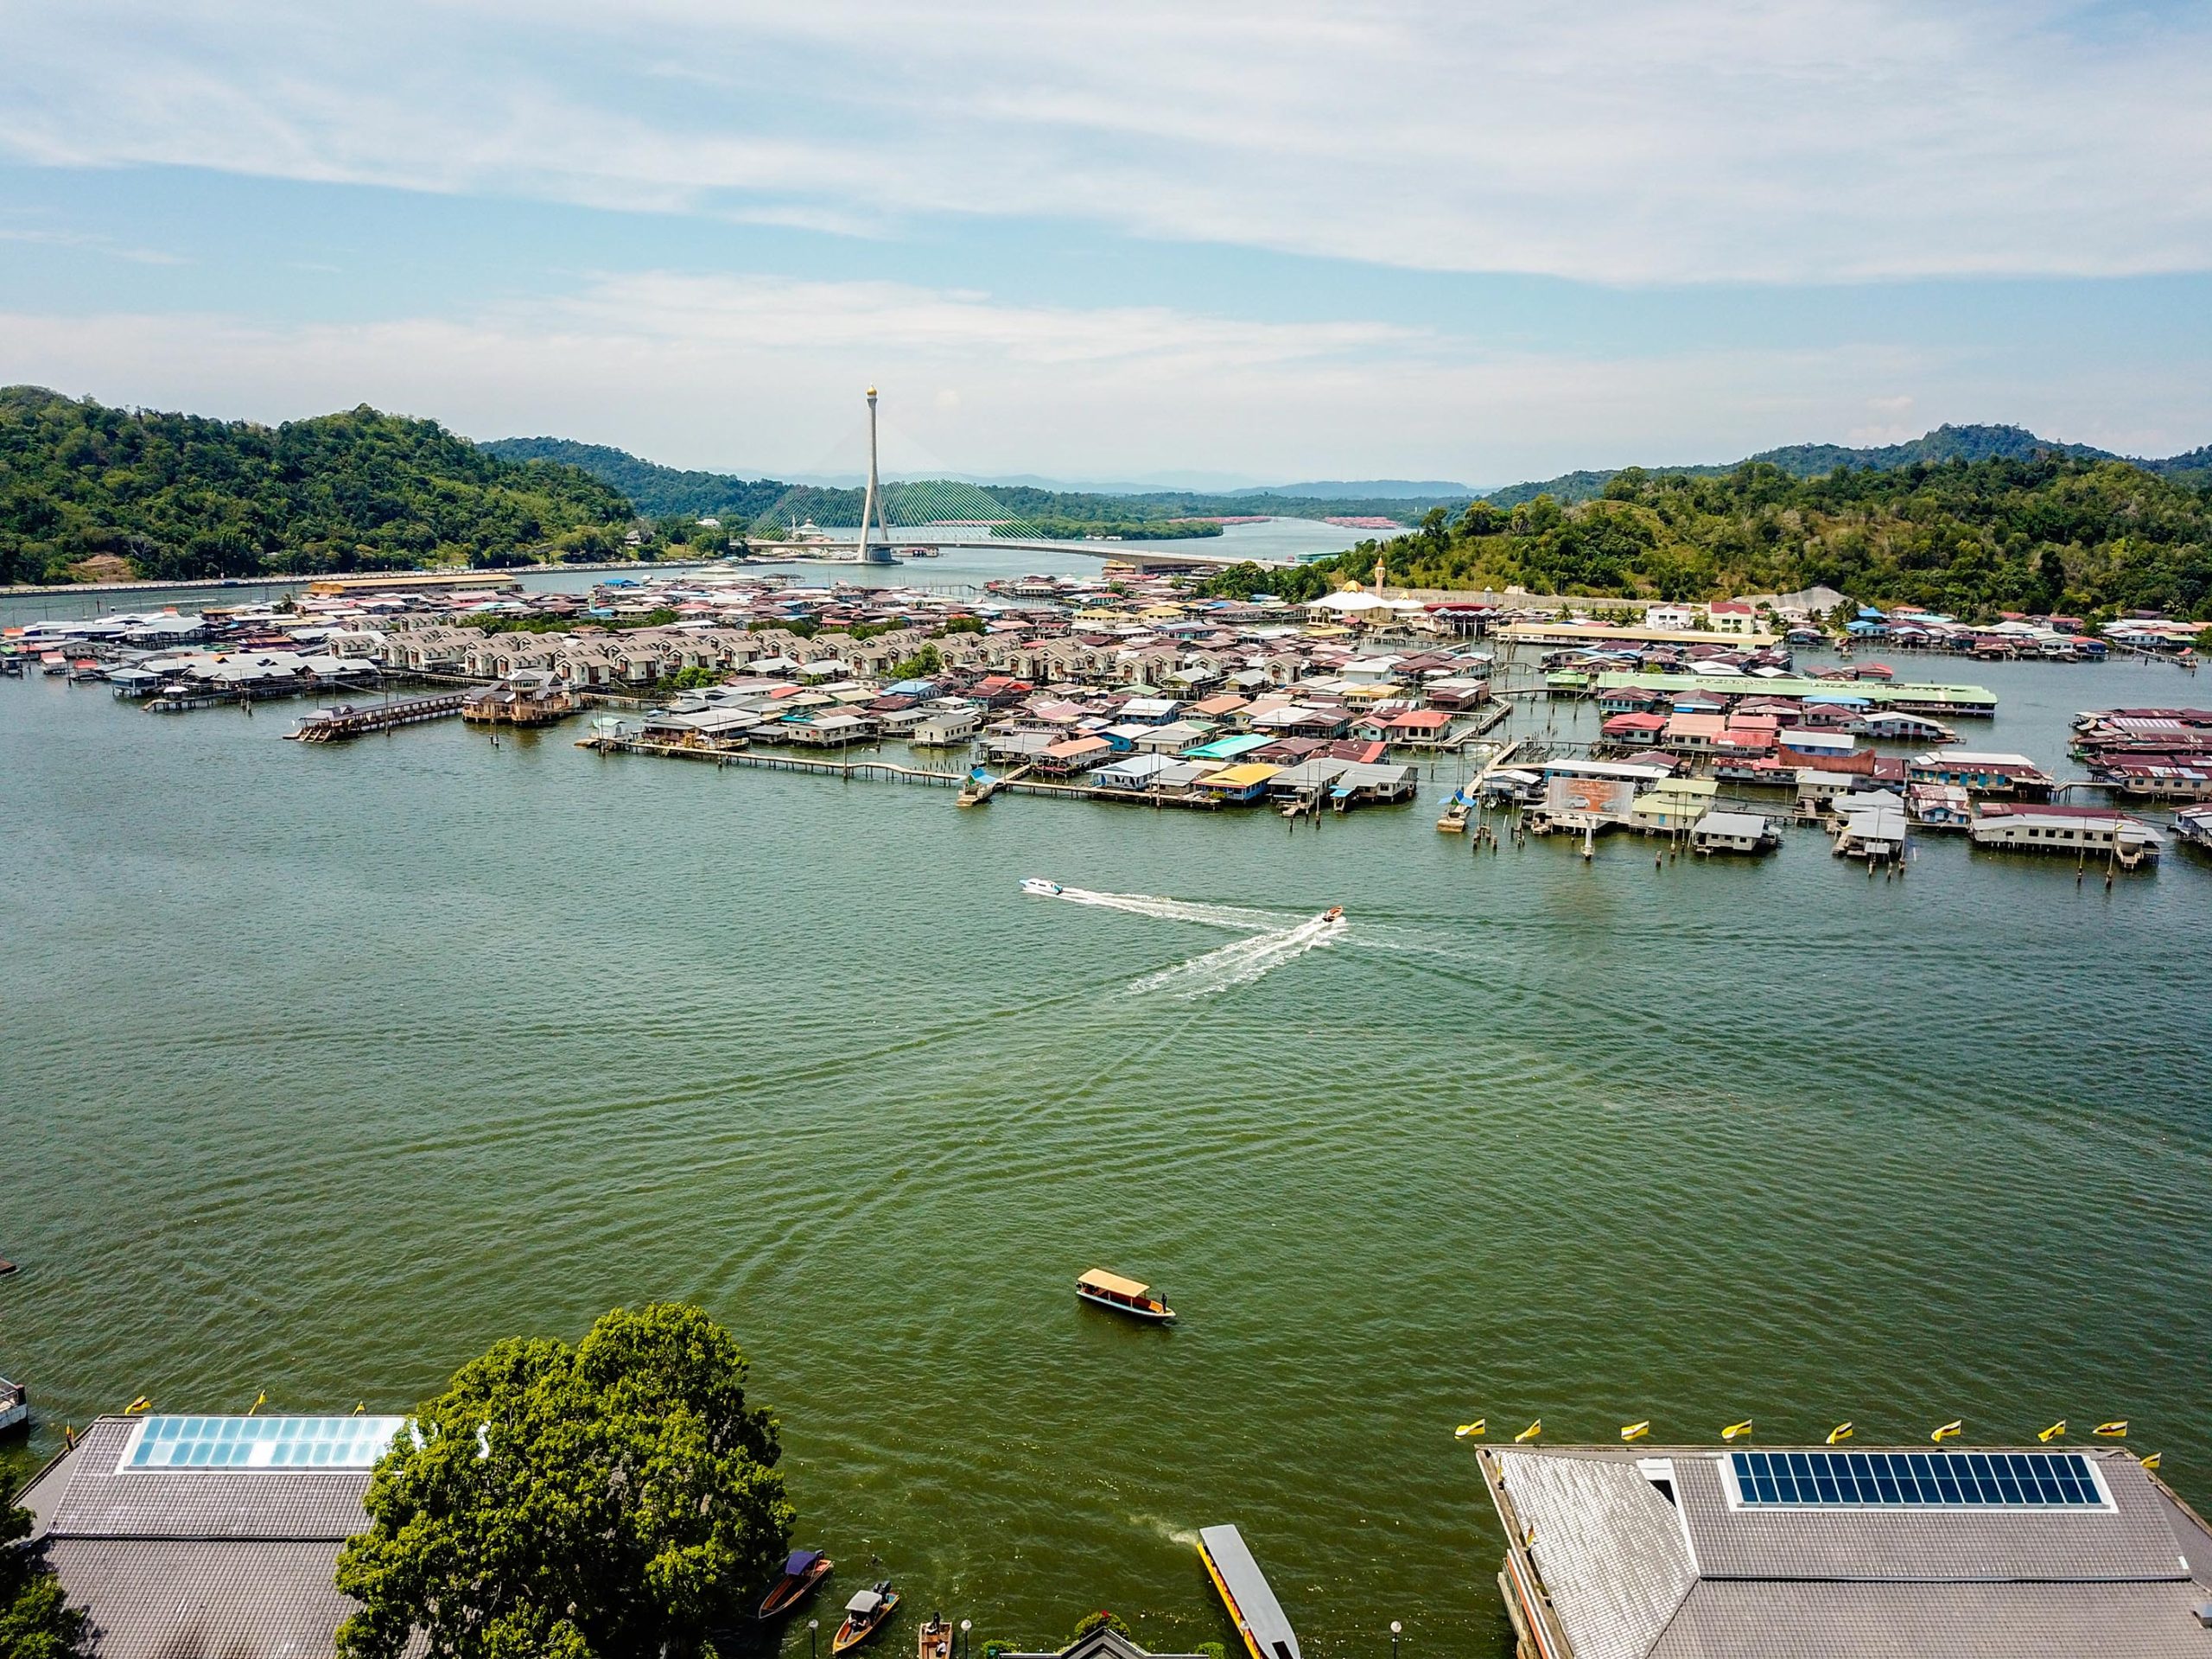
1176	910
1238	964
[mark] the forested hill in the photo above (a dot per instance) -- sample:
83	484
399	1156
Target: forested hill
88	491
1945	443
666	491
660	492
2056	534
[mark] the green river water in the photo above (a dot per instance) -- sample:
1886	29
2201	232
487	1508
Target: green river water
323	1068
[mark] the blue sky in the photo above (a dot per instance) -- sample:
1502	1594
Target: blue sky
1260	243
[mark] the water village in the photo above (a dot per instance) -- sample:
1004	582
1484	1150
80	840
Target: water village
1137	690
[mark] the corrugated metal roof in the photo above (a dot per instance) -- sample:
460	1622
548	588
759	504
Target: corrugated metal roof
1772	1620
102	1502
1930	1546
1610	1549
176	1599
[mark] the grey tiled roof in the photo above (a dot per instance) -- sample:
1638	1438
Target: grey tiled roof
1927	1546
197	1563
1741	1619
100	1503
1609	1549
174	1599
1841	1583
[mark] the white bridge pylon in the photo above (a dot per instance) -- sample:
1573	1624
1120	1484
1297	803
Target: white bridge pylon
950	512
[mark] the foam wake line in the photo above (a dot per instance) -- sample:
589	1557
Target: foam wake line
1176	910
1239	964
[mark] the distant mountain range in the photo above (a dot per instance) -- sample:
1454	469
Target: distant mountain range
1931	449
663	490
1368	489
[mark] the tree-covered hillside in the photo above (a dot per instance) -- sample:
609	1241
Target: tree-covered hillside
88	490
661	492
1945	443
1970	538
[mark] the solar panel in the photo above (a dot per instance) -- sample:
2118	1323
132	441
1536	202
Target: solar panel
260	1442
1820	1479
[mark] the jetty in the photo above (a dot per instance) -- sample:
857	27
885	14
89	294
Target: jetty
336	725
1245	1592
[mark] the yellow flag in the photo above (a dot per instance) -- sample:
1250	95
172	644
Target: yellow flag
1636	1431
1949	1431
259	1400
1839	1435
1480	1426
360	1406
2114	1430
1737	1431
140	1404
2047	1435
1530	1433
2152	1462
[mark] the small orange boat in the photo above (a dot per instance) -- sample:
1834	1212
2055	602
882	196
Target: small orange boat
865	1614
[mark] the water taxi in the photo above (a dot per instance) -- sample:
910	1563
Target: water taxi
865	1614
936	1641
1245	1592
804	1570
1038	887
1456	810
1123	1296
1333	913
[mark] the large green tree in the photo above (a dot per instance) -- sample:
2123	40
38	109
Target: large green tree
615	1498
35	1621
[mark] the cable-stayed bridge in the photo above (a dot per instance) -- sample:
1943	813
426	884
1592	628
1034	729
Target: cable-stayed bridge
936	514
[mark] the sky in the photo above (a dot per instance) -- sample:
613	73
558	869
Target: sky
1221	243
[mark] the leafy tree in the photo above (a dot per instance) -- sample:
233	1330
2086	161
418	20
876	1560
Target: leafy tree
36	1621
921	665
615	1498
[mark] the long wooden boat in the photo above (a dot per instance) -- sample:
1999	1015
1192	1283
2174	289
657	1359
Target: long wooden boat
1244	1592
865	1614
936	1639
806	1569
1123	1296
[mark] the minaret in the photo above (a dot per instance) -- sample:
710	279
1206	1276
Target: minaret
872	507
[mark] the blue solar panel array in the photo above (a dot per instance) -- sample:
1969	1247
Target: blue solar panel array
2041	1480
262	1442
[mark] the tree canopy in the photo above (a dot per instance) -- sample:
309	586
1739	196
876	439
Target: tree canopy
35	1621
614	1498
2054	534
90	490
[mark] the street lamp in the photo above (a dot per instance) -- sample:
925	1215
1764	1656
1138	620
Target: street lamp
813	1630
1396	1631
967	1643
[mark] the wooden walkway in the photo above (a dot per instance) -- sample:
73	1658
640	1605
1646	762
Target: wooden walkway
336	726
877	771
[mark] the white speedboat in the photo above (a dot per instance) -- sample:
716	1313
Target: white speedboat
1038	887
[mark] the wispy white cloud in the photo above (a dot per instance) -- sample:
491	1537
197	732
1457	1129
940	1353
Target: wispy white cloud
1620	141
760	374
89	242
